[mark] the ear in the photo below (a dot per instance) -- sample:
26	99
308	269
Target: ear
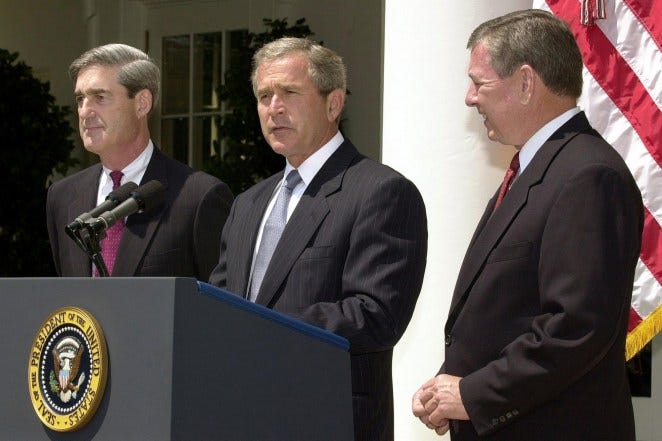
143	103
527	83
335	101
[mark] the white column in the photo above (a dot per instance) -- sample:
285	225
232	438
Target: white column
431	137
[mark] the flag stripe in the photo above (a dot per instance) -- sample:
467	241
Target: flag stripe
631	39
622	97
651	244
615	75
645	294
607	119
634	321
637	45
647	12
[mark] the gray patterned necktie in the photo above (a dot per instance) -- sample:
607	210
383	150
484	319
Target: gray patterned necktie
273	229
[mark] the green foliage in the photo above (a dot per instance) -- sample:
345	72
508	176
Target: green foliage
34	138
247	157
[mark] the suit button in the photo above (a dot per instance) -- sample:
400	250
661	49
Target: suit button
449	340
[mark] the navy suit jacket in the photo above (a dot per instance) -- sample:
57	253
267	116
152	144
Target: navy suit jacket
351	260
538	319
179	238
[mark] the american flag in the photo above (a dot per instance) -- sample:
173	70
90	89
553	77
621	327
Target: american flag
621	42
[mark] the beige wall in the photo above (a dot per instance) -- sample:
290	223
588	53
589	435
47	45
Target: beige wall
352	28
47	35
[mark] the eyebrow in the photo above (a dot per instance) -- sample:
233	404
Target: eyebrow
92	91
278	85
477	78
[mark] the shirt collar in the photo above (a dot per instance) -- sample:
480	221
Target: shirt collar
134	172
531	147
312	165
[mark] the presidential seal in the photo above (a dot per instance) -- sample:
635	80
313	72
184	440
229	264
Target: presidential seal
67	369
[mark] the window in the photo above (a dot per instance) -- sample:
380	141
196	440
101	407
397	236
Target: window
192	72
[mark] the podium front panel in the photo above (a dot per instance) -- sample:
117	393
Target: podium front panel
183	364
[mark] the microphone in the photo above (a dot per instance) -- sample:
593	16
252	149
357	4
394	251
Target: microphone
142	199
113	199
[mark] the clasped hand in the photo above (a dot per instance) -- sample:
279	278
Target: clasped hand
438	401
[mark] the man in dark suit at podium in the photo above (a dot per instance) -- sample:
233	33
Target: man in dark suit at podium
336	239
116	89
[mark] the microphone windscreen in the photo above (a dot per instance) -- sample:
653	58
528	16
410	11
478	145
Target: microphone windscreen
123	192
149	195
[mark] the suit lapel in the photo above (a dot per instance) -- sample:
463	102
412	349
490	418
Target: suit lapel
305	220
492	227
140	227
84	199
86	193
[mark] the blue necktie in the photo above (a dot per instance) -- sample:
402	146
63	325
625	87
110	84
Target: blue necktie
273	229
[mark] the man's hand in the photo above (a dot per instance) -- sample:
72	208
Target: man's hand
438	401
420	402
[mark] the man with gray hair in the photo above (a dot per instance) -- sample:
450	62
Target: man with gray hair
116	89
336	239
535	336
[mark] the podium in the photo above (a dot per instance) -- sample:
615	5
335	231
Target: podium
186	361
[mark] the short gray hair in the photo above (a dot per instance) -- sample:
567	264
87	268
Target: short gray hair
537	38
325	67
137	70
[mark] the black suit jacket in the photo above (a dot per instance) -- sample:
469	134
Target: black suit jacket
179	238
351	260
538	320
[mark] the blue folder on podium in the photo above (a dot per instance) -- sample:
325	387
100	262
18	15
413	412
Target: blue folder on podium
186	361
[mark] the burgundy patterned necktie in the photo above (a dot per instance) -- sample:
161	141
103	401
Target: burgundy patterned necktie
111	243
508	179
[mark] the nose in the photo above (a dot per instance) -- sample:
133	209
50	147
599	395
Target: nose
84	108
471	96
276	105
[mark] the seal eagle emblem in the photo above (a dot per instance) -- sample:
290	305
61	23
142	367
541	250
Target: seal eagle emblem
66	360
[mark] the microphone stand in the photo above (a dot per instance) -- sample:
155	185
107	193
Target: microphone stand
91	239
74	234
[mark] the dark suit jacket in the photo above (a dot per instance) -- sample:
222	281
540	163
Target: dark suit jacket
538	320
179	238
351	260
